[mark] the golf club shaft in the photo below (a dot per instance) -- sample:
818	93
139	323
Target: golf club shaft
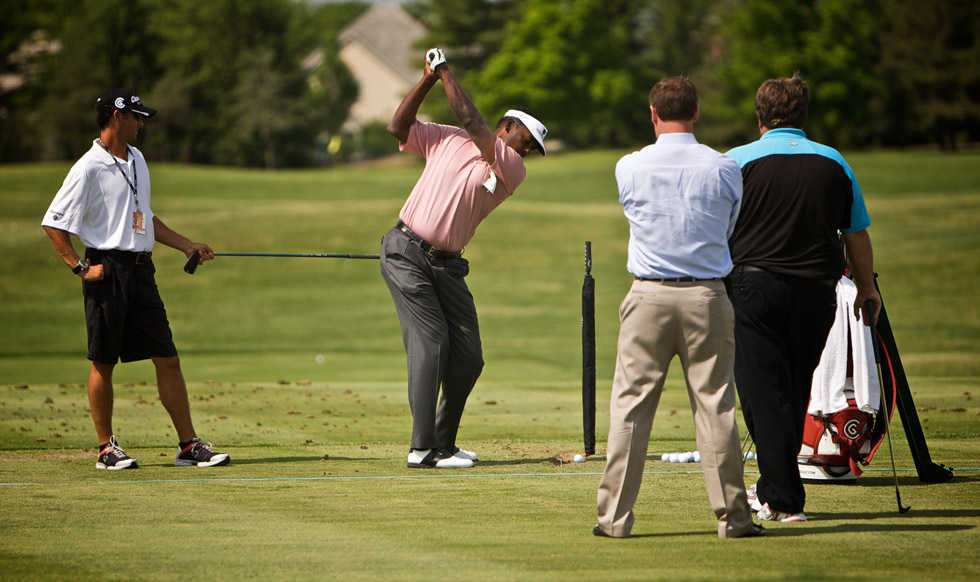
869	312
292	255
192	262
746	441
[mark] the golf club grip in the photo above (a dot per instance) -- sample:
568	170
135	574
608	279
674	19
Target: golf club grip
869	312
192	262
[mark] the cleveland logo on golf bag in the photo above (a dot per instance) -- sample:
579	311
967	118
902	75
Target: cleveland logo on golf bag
852	428
839	443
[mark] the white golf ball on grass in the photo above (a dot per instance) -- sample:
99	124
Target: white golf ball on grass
578	458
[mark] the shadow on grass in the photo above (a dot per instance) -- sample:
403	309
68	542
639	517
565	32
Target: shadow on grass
550	460
796	530
273	460
903	481
866	528
277	460
912	514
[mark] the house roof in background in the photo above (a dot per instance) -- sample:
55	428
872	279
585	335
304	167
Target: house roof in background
389	33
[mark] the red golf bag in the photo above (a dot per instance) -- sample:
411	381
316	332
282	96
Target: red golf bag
835	446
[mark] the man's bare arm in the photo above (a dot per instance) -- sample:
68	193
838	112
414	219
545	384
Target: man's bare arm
861	259
408	109
168	236
61	240
468	115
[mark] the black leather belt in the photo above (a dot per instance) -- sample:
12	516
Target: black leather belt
428	249
678	279
752	269
121	256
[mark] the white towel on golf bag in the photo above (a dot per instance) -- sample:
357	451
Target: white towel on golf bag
830	378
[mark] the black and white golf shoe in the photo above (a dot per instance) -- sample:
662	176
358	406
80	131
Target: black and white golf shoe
199	454
113	458
436	459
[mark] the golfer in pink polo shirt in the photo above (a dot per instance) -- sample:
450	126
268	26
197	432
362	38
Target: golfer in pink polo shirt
468	172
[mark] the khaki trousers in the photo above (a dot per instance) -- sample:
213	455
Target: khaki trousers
694	321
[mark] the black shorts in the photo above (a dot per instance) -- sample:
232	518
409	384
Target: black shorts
124	314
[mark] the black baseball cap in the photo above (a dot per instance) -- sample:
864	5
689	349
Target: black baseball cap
123	100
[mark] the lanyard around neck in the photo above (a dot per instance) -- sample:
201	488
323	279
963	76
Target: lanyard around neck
134	182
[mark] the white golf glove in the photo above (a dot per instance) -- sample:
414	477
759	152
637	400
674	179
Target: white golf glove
435	57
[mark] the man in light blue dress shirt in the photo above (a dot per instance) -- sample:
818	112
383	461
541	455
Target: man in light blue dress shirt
681	200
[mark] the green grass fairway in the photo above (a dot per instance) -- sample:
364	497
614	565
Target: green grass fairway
295	367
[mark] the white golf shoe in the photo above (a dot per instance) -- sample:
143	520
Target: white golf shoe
464	454
753	495
436	459
767	514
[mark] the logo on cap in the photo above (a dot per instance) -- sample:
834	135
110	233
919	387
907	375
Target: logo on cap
120	103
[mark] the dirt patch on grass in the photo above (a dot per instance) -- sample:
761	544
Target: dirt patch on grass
13	456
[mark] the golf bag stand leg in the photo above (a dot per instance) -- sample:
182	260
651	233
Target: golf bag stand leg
929	472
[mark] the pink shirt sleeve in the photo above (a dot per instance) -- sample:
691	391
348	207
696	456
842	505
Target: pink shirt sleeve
450	200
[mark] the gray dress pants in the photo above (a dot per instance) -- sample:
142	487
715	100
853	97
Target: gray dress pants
441	335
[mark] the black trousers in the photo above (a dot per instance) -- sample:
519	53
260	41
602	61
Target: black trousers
781	326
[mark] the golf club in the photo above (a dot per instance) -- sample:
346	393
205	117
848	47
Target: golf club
869	312
747	441
192	262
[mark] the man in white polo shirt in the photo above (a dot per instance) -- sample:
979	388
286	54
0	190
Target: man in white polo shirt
105	202
468	172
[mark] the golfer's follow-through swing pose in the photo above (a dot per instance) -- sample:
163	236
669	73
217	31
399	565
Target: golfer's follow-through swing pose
468	172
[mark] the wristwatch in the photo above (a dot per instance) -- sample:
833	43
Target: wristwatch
81	266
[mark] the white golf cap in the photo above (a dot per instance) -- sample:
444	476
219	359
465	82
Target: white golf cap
537	129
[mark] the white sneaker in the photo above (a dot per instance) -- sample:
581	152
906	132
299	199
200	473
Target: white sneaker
436	458
766	514
753	496
464	454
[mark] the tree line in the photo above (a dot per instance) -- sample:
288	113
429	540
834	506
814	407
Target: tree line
239	87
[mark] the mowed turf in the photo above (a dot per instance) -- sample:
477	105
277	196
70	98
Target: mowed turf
295	367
